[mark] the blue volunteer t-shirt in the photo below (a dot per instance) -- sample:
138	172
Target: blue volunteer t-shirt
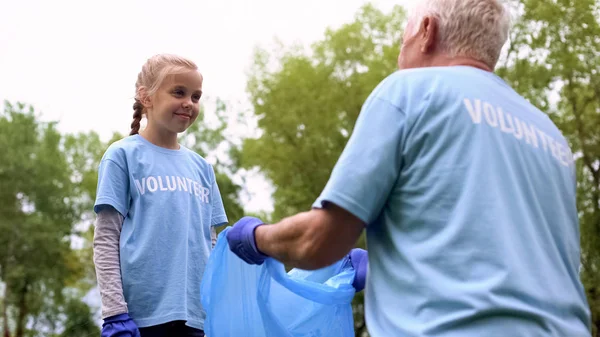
469	195
169	199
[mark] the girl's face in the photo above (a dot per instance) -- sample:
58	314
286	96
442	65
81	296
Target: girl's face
176	103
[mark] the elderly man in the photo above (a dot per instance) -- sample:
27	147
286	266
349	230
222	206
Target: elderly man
466	191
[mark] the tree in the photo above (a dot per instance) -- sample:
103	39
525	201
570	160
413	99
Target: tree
553	60
83	152
307	103
78	320
37	214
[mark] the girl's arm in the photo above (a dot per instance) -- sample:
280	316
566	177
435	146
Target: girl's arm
106	259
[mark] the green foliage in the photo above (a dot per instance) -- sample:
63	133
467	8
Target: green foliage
78	321
37	214
308	104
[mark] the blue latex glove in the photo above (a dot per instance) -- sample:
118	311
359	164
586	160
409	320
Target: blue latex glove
360	261
119	326
242	242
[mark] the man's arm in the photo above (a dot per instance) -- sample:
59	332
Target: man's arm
311	240
354	196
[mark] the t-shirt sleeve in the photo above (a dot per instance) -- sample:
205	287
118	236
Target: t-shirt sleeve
113	186
219	216
369	165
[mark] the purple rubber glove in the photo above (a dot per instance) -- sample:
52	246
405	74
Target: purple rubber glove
242	242
360	261
119	326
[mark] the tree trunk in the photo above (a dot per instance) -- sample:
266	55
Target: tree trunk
5	312
22	310
5	319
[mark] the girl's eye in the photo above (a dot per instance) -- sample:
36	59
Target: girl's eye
178	93
196	98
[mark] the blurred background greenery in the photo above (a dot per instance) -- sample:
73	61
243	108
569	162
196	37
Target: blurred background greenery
305	102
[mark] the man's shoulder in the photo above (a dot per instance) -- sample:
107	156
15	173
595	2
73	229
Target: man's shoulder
419	81
405	87
427	75
408	87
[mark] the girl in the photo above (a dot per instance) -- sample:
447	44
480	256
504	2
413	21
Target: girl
157	204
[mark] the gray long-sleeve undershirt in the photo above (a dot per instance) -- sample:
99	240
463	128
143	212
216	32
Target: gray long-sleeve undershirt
107	234
107	263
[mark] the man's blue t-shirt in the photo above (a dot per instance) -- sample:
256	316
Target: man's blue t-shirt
469	195
169	199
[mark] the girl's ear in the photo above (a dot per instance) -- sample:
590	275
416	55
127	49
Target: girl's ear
145	99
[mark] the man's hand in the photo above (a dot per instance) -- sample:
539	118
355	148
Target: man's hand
119	326
242	242
308	240
360	262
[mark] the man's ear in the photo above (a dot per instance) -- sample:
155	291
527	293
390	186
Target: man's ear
145	99
428	32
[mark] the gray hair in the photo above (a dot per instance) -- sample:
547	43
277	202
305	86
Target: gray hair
476	29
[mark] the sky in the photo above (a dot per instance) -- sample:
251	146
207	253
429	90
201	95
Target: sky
76	62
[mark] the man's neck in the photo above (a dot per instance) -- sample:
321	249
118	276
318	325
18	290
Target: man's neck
444	61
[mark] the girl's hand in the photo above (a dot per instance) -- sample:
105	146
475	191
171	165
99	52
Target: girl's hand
119	326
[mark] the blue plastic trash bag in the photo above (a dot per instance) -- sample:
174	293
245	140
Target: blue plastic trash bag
265	301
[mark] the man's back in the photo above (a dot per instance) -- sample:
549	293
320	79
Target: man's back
479	236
